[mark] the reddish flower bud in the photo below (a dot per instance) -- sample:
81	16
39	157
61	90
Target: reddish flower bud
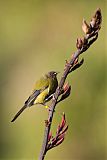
60	134
64	130
49	136
63	121
66	91
58	130
59	142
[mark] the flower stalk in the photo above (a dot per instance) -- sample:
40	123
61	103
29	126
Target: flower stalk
63	90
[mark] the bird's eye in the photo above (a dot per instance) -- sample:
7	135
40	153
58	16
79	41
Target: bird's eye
56	73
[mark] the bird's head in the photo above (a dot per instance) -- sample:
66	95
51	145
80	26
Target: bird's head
52	74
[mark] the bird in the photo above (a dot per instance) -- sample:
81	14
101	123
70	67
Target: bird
43	91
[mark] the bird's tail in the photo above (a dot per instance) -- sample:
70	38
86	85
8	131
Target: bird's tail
18	113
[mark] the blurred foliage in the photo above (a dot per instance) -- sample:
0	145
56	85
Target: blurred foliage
37	36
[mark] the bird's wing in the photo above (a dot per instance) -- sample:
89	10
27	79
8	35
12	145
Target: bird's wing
41	84
32	97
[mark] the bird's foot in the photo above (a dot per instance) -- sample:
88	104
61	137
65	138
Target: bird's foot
47	107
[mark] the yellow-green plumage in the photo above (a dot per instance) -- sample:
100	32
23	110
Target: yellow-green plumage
42	92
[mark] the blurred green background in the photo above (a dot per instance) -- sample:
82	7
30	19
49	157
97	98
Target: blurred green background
37	36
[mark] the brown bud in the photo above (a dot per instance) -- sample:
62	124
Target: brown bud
93	22
79	43
47	123
85	27
77	65
76	60
84	41
96	19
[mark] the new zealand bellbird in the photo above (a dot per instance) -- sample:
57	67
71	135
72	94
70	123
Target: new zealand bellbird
42	92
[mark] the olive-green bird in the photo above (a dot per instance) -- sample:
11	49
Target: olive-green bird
42	92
